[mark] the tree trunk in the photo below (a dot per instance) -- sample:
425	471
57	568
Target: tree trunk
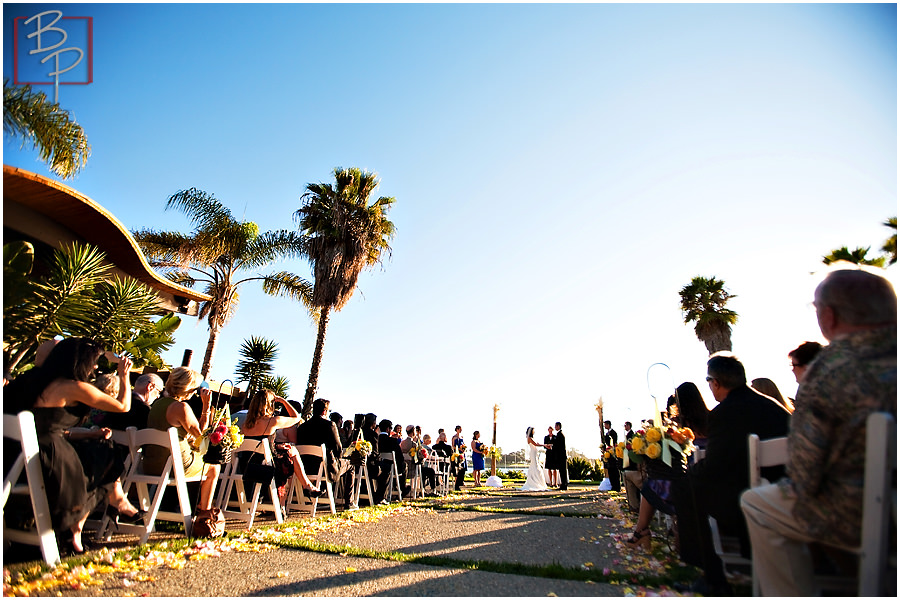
313	382
719	341
210	351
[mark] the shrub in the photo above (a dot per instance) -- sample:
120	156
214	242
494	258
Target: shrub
511	474
585	469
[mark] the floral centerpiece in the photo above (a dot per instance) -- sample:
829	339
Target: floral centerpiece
418	453
358	451
221	437
363	447
662	444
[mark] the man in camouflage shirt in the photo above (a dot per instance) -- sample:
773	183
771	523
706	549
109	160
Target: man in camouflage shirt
855	375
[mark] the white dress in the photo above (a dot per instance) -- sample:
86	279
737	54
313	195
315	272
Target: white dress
534	481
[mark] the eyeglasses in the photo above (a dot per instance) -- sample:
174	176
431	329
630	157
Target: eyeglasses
708	379
795	366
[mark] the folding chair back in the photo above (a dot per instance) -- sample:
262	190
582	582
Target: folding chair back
393	484
441	466
232	478
150	488
319	478
360	477
21	428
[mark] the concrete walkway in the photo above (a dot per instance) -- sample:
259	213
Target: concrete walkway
545	529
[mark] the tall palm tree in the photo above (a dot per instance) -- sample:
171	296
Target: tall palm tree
257	355
344	233
61	141
890	245
703	302
857	257
216	254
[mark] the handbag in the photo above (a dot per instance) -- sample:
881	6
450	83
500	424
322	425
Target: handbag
208	523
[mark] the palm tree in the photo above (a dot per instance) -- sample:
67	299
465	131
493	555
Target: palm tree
703	302
61	141
890	245
857	257
257	355
278	384
344	233
73	298
216	253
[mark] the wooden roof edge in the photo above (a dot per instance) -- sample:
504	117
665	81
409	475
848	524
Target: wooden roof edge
161	282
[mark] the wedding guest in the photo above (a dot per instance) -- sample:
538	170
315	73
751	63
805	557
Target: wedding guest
428	474
78	475
768	387
262	422
713	486
397	432
459	445
147	389
802	356
656	492
441	447
821	500
320	430
388	444
478	449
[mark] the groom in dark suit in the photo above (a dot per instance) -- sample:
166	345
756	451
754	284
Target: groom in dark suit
319	430
559	448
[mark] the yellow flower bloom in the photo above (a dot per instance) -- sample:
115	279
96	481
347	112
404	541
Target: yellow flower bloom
620	451
653	450
621	445
654	435
637	443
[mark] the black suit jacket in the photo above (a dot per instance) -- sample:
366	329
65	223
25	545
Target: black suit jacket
386	443
316	431
559	447
742	412
136	417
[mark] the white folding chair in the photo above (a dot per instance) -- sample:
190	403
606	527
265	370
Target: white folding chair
317	479
150	488
21	428
877	566
441	466
761	453
393	484
360	477
416	485
231	479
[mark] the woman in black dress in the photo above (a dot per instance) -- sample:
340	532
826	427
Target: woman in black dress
60	395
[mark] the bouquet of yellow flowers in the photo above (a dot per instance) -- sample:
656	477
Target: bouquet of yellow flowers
658	443
494	452
363	447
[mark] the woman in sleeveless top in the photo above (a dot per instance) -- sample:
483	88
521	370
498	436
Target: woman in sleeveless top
172	410
78	477
260	423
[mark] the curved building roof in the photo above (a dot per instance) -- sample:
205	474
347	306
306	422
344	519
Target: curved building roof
55	214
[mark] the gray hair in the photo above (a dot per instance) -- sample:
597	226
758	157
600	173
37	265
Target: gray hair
858	297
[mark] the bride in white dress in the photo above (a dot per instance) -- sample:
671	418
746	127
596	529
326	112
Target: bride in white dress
535	481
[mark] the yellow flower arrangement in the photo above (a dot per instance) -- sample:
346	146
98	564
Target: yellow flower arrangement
653	450
654	434
363	447
494	452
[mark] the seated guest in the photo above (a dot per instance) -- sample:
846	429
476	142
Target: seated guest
713	486
261	422
852	377
802	356
347	434
147	389
768	387
387	443
78	476
319	430
338	421
172	410
690	411
428	474
441	447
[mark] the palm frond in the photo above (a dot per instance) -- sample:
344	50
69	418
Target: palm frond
61	141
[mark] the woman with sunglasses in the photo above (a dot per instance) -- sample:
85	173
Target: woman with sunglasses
172	410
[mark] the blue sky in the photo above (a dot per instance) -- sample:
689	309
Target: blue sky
561	171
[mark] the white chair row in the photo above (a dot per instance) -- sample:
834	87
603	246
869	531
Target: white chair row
296	499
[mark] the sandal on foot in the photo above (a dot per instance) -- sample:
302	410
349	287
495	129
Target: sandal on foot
640	538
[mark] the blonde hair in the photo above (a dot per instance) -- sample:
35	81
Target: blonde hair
182	382
108	383
262	406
